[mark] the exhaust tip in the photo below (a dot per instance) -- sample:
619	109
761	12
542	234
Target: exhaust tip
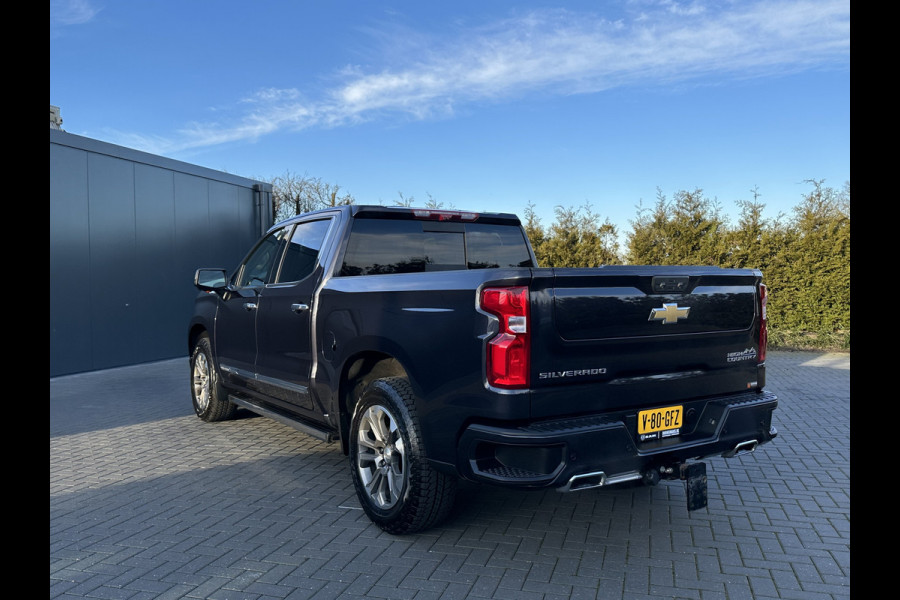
742	448
587	481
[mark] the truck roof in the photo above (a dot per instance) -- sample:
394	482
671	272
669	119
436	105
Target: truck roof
374	211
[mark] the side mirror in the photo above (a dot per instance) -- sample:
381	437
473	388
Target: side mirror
211	280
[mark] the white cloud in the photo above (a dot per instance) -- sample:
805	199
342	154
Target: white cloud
559	52
71	12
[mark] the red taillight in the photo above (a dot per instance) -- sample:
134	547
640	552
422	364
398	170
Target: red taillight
763	323
509	352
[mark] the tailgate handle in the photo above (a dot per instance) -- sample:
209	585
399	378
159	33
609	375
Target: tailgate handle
670	285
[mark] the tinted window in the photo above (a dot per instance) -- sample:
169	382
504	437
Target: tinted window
383	246
491	246
259	268
302	252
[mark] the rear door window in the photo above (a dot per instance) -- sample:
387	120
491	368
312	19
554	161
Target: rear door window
302	253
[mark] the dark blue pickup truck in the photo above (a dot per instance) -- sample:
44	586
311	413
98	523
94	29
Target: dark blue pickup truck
432	347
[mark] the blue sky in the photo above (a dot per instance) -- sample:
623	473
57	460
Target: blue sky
477	105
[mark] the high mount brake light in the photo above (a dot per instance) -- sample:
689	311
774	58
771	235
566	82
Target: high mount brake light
508	352
763	323
444	215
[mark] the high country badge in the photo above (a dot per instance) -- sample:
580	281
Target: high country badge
746	354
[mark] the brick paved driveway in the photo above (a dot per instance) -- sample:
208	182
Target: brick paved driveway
147	501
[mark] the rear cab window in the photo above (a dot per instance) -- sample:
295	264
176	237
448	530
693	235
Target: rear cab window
388	246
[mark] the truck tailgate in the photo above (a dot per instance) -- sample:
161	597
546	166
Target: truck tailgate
622	337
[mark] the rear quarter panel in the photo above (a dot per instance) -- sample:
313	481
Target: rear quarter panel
429	322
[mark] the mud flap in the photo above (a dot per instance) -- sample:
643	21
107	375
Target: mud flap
694	476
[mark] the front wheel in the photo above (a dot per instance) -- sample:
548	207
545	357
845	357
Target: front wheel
397	487
209	398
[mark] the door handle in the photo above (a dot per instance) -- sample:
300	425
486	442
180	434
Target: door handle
250	305
299	308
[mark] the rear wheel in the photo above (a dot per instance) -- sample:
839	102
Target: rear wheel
397	487
209	398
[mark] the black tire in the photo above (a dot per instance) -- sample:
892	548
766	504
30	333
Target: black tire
209	398
397	487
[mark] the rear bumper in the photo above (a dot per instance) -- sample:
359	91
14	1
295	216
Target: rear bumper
603	449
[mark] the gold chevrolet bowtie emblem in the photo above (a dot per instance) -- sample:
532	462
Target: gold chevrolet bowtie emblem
669	313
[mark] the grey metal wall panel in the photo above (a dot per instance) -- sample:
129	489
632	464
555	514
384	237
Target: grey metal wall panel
254	206
225	222
115	309
192	234
154	201
127	231
70	315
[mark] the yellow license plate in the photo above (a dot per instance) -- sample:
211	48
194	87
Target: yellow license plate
660	422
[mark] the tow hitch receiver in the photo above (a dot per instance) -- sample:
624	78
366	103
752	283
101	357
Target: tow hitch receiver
694	476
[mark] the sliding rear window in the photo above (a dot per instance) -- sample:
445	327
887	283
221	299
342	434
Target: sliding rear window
387	246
